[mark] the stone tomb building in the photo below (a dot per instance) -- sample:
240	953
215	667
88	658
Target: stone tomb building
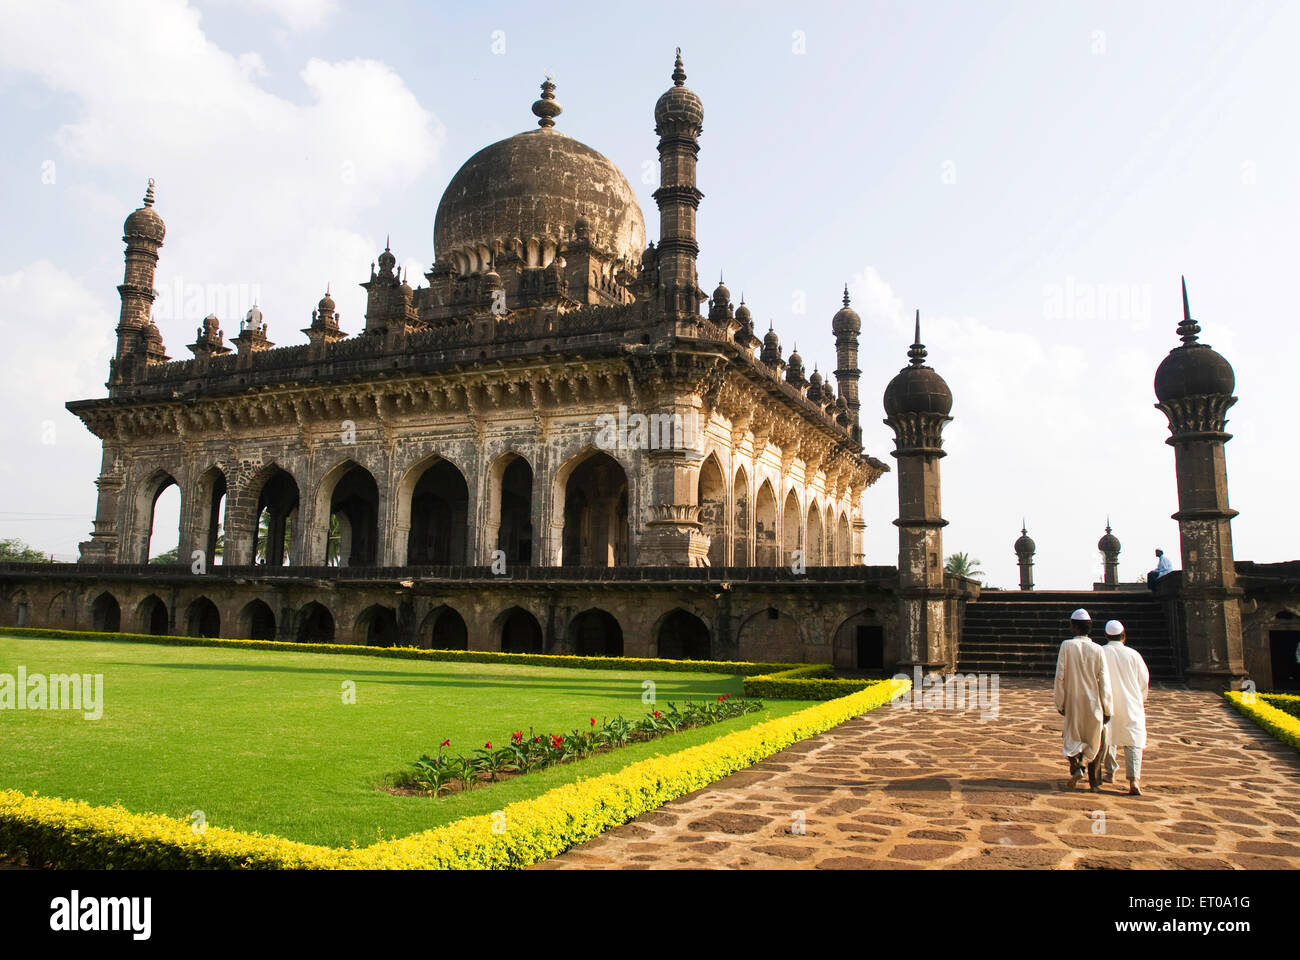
549	415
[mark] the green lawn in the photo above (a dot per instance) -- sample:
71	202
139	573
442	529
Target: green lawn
263	741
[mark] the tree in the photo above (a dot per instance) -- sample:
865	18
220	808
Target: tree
168	556
964	565
15	551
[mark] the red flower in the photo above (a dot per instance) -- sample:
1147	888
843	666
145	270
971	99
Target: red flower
537	739
658	714
445	743
517	736
593	721
720	699
557	741
488	745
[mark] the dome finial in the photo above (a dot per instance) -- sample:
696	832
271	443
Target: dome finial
846	294
917	351
679	75
1189	328
547	108
1024	529
148	194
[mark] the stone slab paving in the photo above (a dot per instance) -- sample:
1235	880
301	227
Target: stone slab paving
904	788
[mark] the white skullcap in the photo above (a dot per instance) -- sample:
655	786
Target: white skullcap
1114	628
1080	614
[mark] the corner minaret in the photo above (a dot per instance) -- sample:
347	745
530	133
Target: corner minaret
917	404
1025	550
679	119
1109	547
143	234
1194	387
846	325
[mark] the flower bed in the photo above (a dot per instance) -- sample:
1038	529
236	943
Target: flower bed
525	753
74	834
743	668
1258	708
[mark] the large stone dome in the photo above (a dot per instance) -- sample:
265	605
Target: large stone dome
526	193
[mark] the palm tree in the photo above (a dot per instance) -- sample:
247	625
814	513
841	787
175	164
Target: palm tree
964	565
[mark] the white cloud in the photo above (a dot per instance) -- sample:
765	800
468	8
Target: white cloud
296	14
262	195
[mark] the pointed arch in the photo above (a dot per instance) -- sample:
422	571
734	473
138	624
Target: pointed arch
596	633
444	629
740	519
844	542
347	501
712	498
376	626
202	619
519	631
151	616
814	555
682	635
147	536
105	614
509	525
272	537
791	528
315	624
257	621
591	505
766	549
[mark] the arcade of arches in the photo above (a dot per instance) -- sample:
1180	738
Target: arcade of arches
768	620
579	514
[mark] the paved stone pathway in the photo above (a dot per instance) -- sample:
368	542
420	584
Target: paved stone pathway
904	788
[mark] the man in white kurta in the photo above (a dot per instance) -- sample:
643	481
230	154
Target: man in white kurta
1129	680
1083	697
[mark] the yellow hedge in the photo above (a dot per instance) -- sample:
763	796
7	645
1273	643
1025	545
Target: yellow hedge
1277	722
70	833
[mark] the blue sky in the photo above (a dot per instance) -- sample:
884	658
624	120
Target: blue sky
1033	177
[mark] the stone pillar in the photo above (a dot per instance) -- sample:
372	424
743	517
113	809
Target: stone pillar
1109	547
917	402
1025	549
1194	387
679	119
846	325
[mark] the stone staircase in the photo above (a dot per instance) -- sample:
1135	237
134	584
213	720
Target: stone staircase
1018	634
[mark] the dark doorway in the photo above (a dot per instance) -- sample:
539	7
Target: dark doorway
355	502
448	631
439	517
153	616
515	537
204	620
1283	647
596	633
315	624
258	621
380	626
105	614
683	636
871	648
521	633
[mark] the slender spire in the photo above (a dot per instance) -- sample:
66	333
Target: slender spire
1024	530
148	194
387	241
547	108
917	351
679	75
1108	523
846	294
1189	328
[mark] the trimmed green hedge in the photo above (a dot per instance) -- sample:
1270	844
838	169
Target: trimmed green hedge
812	681
416	653
74	834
